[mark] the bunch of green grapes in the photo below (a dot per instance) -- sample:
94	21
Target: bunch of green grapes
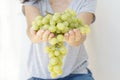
58	24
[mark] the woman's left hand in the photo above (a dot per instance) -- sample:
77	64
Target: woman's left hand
74	37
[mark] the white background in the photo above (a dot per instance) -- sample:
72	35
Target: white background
103	43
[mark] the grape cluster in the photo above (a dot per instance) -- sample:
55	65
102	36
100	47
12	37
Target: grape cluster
58	24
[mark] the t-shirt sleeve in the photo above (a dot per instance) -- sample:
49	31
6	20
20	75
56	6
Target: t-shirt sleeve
89	6
30	3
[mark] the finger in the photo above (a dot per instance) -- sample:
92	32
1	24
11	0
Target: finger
77	35
51	36
39	34
72	36
66	36
33	32
46	35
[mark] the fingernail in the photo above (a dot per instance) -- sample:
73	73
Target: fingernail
50	36
47	32
70	32
74	29
42	30
66	35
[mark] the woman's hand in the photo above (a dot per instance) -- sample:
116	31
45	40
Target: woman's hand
74	37
41	35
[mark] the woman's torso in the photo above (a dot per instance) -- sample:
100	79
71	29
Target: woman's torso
74	62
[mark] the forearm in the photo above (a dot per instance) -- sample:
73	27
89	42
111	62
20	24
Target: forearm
87	19
31	13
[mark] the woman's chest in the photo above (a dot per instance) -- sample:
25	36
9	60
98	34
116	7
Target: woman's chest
60	6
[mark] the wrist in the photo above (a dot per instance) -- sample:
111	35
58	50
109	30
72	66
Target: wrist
74	44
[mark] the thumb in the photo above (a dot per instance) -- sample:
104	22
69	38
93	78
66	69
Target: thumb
33	32
66	37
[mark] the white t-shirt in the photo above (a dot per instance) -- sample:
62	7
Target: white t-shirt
75	62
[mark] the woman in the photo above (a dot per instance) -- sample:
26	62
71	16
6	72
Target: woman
75	62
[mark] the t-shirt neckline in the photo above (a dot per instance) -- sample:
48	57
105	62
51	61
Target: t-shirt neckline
66	8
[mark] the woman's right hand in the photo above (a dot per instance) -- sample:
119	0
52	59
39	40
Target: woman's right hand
40	35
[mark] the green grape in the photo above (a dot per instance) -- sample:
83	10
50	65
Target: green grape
60	44
53	74
53	47
86	26
76	25
57	53
72	25
52	28
80	21
66	30
60	62
71	12
61	57
51	55
66	23
74	19
45	21
58	31
60	26
50	68
38	18
87	29
63	50
57	69
69	20
56	16
82	30
60	38
54	61
35	27
59	21
52	22
39	23
47	49
53	41
48	16
45	27
64	17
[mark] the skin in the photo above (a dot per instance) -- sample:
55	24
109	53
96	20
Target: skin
73	37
